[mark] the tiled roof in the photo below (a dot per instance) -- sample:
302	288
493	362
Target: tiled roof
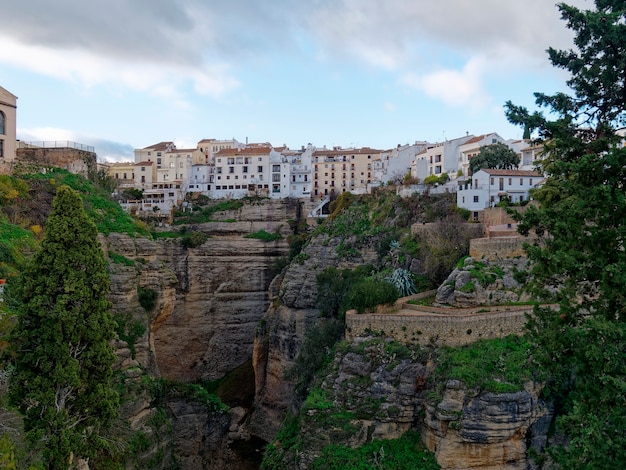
361	151
473	140
148	163
496	172
159	146
244	151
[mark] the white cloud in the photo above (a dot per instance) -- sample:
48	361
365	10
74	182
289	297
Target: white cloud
90	70
455	88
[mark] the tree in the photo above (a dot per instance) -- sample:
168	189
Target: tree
498	156
579	257
63	357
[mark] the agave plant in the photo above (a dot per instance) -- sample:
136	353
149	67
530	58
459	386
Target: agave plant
403	280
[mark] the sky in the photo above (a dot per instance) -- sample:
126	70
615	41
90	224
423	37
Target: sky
126	74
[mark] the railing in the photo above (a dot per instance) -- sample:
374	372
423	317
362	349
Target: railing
60	144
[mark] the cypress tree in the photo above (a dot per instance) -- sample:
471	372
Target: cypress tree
63	356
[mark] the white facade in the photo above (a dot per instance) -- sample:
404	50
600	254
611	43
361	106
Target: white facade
440	158
472	147
488	187
397	161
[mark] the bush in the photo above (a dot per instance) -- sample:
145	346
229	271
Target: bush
147	298
193	239
368	294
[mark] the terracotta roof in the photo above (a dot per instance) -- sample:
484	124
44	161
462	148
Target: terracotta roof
148	163
473	140
159	146
361	151
244	151
495	172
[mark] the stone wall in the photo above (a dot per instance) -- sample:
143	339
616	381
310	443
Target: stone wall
441	329
498	248
80	162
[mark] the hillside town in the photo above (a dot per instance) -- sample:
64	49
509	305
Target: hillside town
164	176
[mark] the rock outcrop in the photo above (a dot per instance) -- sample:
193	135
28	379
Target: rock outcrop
469	429
484	282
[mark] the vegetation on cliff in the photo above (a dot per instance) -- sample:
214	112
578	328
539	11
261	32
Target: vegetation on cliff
579	260
63	360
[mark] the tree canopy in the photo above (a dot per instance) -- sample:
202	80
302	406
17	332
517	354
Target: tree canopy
579	257
498	156
63	358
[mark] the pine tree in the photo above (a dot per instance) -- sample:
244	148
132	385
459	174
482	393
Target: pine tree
580	258
63	356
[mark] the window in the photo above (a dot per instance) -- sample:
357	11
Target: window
475	198
276	178
219	170
492	181
521	181
231	161
276	168
158	161
530	182
143	168
245	169
510	181
259	169
172	165
2	123
231	169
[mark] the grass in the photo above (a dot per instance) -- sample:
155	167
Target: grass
207	213
398	454
495	365
265	236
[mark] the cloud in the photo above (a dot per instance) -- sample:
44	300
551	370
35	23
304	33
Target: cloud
455	88
164	47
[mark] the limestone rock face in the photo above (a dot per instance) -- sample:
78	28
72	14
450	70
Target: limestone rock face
484	431
484	282
280	334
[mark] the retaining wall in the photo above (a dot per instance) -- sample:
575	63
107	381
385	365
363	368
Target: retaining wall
437	329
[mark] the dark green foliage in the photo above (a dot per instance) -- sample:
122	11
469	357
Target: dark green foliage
281	454
406	453
495	365
498	155
129	330
316	352
333	287
265	236
147	298
132	194
193	239
63	359
580	262
120	259
367	294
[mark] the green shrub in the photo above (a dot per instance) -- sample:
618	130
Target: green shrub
120	259
147	298
368	294
194	239
406	453
495	365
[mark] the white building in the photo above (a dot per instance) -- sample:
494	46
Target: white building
472	147
488	187
442	157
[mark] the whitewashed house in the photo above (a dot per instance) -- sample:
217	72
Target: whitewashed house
488	187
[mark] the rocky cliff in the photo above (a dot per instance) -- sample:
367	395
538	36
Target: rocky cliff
209	300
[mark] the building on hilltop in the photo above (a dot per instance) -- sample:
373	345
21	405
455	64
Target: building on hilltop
439	158
8	116
339	170
472	147
488	187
